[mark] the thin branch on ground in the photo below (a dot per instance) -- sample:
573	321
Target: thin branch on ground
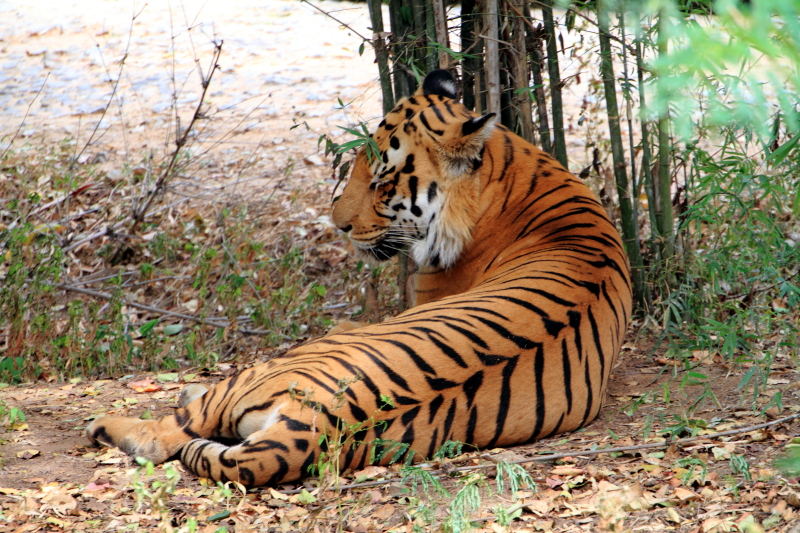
570	455
217	323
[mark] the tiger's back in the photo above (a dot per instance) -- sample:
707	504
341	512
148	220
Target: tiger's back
523	298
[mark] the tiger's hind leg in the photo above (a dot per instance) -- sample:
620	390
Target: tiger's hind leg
155	440
282	451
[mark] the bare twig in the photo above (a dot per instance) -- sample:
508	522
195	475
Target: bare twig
334	18
21	124
180	142
114	90
578	453
220	323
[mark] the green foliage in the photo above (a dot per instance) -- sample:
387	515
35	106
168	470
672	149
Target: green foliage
10	417
515	475
748	63
466	502
740	466
362	138
789	462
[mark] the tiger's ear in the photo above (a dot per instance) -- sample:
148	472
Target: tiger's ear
463	143
441	83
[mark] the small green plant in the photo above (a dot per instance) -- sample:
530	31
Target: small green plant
466	502
695	469
11	417
362	138
789	462
740	465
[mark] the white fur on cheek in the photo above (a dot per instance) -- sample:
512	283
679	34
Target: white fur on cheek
441	245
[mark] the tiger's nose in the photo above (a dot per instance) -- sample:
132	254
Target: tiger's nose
346	228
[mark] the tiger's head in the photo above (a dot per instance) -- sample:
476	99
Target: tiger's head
421	189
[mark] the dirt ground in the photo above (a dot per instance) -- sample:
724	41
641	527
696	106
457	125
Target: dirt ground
50	456
284	64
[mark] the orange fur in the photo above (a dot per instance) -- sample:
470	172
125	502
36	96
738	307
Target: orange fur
522	301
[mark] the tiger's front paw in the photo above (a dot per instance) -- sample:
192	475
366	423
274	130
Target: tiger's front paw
138	438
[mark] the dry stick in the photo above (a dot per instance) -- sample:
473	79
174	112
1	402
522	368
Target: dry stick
334	18
179	142
114	90
26	116
557	456
106	296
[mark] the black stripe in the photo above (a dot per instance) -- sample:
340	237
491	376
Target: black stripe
412	187
432	446
410	415
521	342
304	469
556	429
575	324
428	126
448	421
357	412
566	366
282	470
505	400
438	114
473	421
468	334
390	373
448	351
538	374
438	384
508	158
599	344
295	425
537	199
611	303
471	386
405	400
587	379
434	406
419	361
490	359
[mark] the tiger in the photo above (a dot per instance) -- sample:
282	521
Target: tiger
521	301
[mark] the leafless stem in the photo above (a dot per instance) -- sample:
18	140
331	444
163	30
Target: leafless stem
21	124
180	141
116	85
217	323
334	18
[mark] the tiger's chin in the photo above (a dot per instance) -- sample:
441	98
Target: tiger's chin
381	251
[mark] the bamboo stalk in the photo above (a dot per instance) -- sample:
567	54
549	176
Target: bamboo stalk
440	20
536	50
664	149
381	53
403	82
521	99
559	143
492	60
628	222
468	65
647	171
